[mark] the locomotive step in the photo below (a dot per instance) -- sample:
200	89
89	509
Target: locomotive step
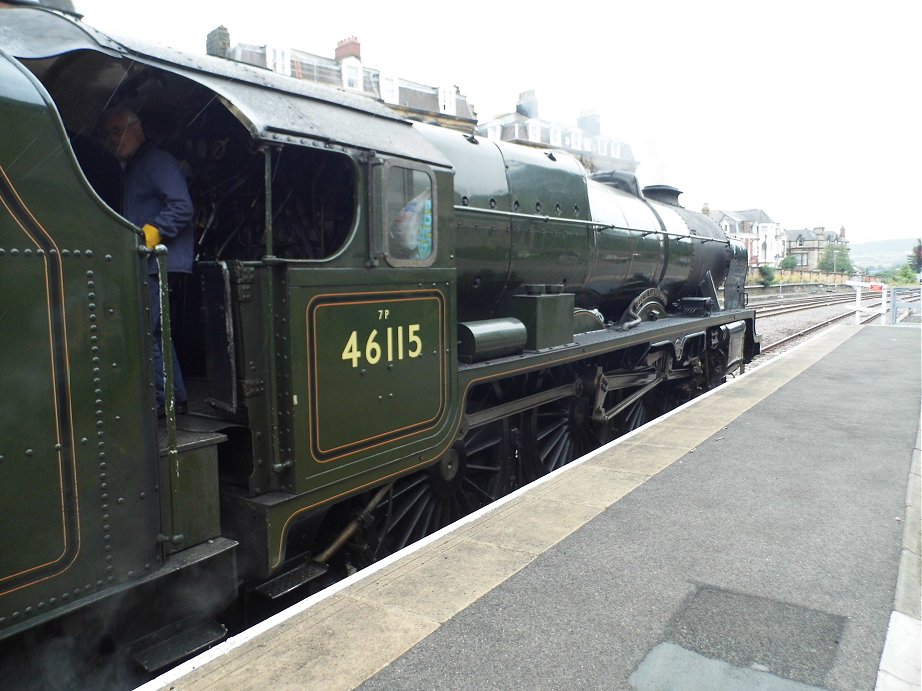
288	581
177	642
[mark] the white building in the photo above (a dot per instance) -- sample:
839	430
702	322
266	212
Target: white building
584	139
765	240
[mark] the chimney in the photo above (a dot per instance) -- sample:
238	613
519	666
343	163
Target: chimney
527	105
218	42
706	209
348	48
590	123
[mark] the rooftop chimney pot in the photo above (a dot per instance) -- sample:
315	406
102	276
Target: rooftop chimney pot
348	48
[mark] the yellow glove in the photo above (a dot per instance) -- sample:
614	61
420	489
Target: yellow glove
151	235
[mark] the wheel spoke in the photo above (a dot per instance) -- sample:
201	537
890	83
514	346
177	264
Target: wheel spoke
483	468
563	455
405	506
473	487
549	424
637	415
466	506
411	483
425	506
553	452
479	446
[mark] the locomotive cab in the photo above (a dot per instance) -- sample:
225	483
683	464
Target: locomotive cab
294	200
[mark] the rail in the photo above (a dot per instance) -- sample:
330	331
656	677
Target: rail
776	308
815	327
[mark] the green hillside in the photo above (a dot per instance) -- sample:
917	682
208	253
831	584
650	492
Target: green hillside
881	253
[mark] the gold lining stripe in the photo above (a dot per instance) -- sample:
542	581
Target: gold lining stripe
56	390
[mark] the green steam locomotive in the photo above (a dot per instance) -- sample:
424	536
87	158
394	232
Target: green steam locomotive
390	324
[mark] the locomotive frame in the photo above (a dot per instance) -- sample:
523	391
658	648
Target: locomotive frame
356	388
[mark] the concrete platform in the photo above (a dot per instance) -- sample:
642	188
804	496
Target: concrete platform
763	536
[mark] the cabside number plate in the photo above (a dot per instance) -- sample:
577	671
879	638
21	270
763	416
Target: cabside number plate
376	367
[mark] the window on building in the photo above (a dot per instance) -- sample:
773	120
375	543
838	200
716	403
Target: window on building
389	89
448	100
534	132
352	77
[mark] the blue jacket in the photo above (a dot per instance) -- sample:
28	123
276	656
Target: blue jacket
155	192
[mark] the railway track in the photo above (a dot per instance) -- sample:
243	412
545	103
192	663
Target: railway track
780	307
811	329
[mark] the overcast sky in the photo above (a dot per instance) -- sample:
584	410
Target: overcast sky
808	110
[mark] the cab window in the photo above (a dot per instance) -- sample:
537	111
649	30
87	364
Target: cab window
408	216
314	202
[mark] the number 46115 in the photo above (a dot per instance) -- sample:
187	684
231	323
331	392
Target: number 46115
393	344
